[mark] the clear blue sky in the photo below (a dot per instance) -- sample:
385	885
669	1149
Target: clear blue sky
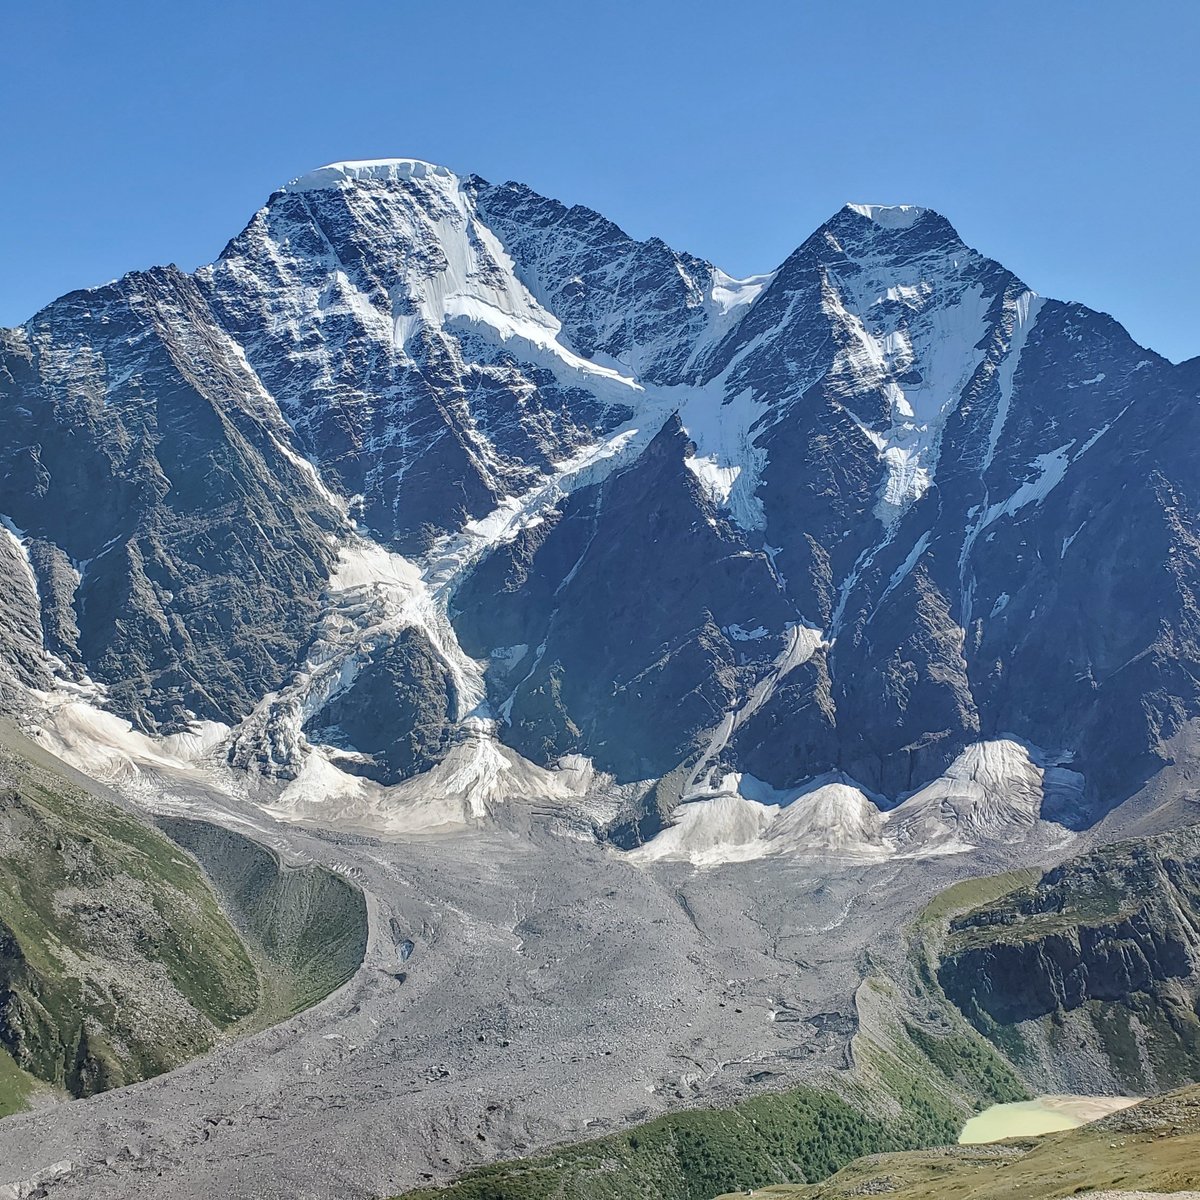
1060	136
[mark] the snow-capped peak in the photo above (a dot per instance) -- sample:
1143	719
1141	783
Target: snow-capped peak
890	216
386	170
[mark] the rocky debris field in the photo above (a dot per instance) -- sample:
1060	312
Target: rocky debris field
519	989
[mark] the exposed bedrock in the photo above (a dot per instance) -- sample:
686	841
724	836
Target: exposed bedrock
1100	958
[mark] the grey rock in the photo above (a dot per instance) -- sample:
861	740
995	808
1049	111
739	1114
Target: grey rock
634	659
140	447
397	715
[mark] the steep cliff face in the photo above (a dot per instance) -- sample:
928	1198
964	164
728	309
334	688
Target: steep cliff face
1093	973
177	545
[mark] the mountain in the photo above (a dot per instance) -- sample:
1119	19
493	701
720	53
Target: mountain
426	474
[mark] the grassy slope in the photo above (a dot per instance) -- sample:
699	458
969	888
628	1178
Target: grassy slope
17	1087
117	958
116	961
684	1156
306	925
1153	1147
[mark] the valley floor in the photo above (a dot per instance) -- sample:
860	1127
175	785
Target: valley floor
521	989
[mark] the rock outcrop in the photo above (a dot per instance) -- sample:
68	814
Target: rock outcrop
1100	958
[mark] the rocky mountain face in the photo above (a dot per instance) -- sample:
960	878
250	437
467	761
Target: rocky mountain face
422	463
175	544
1089	978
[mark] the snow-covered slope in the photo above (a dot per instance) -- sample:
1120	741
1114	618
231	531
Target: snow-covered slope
427	486
991	794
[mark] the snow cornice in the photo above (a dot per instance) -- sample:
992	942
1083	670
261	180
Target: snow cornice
383	170
890	216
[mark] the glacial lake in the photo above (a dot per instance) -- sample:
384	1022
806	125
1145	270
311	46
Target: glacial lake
1044	1114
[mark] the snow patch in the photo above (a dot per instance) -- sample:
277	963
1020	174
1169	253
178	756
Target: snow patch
802	643
1027	307
991	794
1049	470
919	358
727	462
1025	314
509	655
471	784
728	293
739	634
716	481
743	818
899	575
20	545
724	828
1069	539
109	749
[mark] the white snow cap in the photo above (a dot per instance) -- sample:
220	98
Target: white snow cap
388	170
890	216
